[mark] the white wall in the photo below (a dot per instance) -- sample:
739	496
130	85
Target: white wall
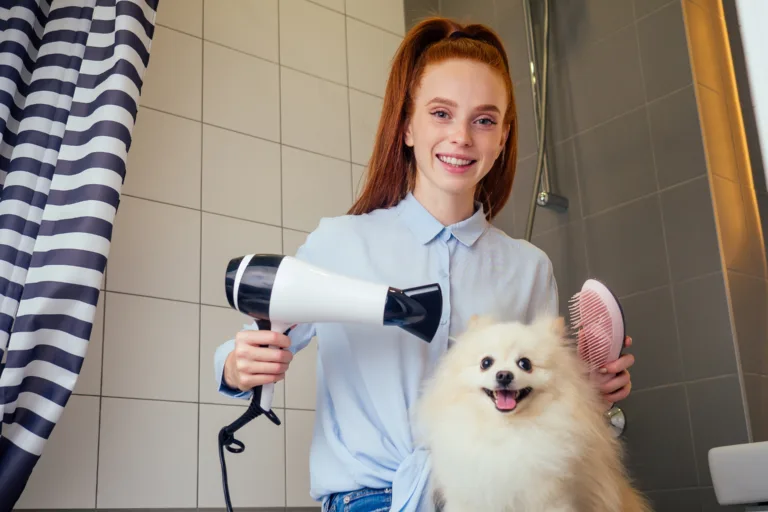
256	119
753	15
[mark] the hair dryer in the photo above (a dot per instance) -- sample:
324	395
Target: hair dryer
280	291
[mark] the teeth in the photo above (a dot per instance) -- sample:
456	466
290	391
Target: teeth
454	161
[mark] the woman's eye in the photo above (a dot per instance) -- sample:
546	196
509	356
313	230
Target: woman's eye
487	122
441	114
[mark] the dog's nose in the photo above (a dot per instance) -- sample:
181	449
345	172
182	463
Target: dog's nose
504	378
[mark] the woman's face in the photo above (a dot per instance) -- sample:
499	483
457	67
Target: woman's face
457	129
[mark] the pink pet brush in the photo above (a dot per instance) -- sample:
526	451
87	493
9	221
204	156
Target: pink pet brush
598	320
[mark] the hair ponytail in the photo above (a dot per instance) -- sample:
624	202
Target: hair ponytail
391	168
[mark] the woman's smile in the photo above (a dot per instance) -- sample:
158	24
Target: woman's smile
456	163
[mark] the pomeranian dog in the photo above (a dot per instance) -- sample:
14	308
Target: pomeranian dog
514	424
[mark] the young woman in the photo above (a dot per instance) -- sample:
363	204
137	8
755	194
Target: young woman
442	167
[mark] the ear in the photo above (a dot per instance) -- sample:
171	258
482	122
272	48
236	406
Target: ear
408	133
479	321
552	325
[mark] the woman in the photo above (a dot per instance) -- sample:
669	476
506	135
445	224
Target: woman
442	167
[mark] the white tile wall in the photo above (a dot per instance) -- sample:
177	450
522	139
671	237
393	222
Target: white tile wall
246	25
150	348
371	50
246	136
386	14
304	176
155	251
364	116
358	172
323	53
234	167
183	15
176	58
292	240
147	454
315	114
241	92
160	164
75	438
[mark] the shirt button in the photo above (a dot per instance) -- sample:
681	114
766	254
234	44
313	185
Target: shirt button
443	321
346	499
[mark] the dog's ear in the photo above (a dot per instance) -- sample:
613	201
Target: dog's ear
551	324
479	321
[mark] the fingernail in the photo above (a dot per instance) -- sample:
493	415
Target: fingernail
603	370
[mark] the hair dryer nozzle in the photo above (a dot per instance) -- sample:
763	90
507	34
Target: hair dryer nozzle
416	310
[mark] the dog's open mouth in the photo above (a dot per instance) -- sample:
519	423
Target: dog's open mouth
506	400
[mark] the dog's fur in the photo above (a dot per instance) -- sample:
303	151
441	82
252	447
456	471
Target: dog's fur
553	452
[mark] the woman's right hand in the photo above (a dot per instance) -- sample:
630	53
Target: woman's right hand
259	357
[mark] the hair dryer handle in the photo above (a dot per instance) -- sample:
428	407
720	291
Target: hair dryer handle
268	390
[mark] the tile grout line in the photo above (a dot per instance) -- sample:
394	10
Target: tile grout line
647	109
388	31
616	117
270	61
616	207
649	14
217	214
684	383
252	136
200	263
581	208
282	231
664	236
349	106
101	385
190	402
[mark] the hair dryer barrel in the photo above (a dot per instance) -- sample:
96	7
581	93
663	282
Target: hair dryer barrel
290	291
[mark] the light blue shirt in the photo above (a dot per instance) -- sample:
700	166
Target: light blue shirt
368	377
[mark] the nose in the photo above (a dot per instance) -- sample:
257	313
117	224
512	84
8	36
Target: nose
461	135
504	378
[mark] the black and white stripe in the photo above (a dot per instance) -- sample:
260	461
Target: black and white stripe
70	78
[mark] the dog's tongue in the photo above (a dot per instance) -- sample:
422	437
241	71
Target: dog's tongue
505	400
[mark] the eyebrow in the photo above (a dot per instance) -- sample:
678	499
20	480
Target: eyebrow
451	103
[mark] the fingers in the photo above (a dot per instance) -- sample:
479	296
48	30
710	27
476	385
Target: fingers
619	365
259	338
619	395
616	383
627	341
248	382
264	354
260	357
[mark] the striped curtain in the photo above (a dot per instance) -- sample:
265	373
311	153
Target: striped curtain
71	73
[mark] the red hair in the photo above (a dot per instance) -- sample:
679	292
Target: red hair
391	169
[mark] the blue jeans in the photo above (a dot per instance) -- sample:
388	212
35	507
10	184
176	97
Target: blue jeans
361	500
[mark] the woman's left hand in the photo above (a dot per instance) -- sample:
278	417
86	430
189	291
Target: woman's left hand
618	387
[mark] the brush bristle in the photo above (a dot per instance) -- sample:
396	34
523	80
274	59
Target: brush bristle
592	323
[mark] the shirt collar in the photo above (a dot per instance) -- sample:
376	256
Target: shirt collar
426	227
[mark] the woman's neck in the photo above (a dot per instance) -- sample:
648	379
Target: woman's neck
446	208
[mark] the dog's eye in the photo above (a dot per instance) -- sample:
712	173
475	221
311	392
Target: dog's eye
525	364
486	363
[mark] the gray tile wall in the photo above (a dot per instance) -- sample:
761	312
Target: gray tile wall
750	295
627	151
